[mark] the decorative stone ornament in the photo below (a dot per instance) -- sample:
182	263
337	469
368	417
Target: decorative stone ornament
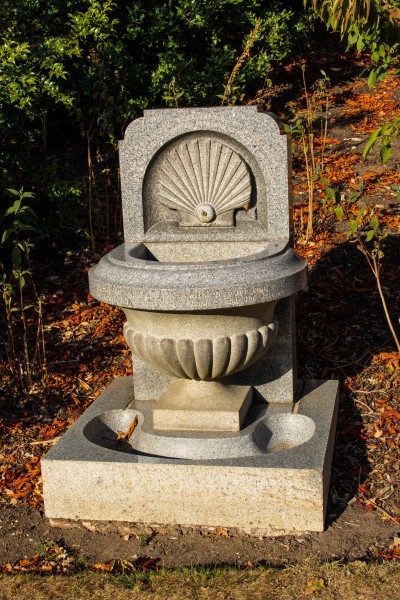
203	179
216	429
191	355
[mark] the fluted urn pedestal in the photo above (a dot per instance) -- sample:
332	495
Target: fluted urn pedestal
202	349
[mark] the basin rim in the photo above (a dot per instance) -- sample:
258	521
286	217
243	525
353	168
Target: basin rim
174	287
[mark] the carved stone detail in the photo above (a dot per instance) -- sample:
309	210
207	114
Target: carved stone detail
201	359
204	180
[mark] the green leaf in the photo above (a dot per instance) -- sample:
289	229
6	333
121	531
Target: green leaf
330	193
360	44
371	142
339	213
385	152
30	211
372	78
6	234
360	213
27	228
369	235
353	225
374	223
16	257
12	191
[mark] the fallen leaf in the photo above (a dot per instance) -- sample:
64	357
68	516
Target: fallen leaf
315	585
85	385
222	532
124	436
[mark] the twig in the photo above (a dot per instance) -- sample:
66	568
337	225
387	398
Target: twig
379	508
241	59
45	442
371	412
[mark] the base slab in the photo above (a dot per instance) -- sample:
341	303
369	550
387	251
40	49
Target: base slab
285	491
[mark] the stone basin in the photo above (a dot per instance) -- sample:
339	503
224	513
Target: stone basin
137	276
262	435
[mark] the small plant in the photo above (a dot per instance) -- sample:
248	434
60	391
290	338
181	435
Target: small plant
142	539
302	131
23	319
384	134
366	231
232	93
173	95
370	26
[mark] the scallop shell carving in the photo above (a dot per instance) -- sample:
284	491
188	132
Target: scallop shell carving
201	359
203	179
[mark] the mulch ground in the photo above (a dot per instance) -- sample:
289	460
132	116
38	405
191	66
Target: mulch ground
342	334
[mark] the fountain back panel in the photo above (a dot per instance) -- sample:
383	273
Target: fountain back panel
218	430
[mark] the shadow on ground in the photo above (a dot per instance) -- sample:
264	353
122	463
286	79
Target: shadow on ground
341	326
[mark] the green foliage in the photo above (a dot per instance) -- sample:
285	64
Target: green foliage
371	25
366	231
19	216
195	45
384	135
105	60
24	358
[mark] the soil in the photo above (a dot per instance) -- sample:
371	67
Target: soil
354	535
352	334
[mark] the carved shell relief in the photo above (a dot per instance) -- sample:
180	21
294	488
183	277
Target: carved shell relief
205	181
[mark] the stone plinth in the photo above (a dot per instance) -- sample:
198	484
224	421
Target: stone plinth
273	474
202	406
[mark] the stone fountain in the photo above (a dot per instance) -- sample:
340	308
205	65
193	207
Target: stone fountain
214	429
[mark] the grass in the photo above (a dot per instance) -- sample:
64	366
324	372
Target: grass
354	580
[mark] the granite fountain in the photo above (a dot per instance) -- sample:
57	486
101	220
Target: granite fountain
213	429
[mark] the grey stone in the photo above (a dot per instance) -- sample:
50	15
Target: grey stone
124	279
272	474
207	275
197	405
178	265
255	136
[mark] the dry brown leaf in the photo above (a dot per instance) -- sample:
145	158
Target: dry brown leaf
124	436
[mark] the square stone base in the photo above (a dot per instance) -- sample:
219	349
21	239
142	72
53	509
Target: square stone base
87	475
